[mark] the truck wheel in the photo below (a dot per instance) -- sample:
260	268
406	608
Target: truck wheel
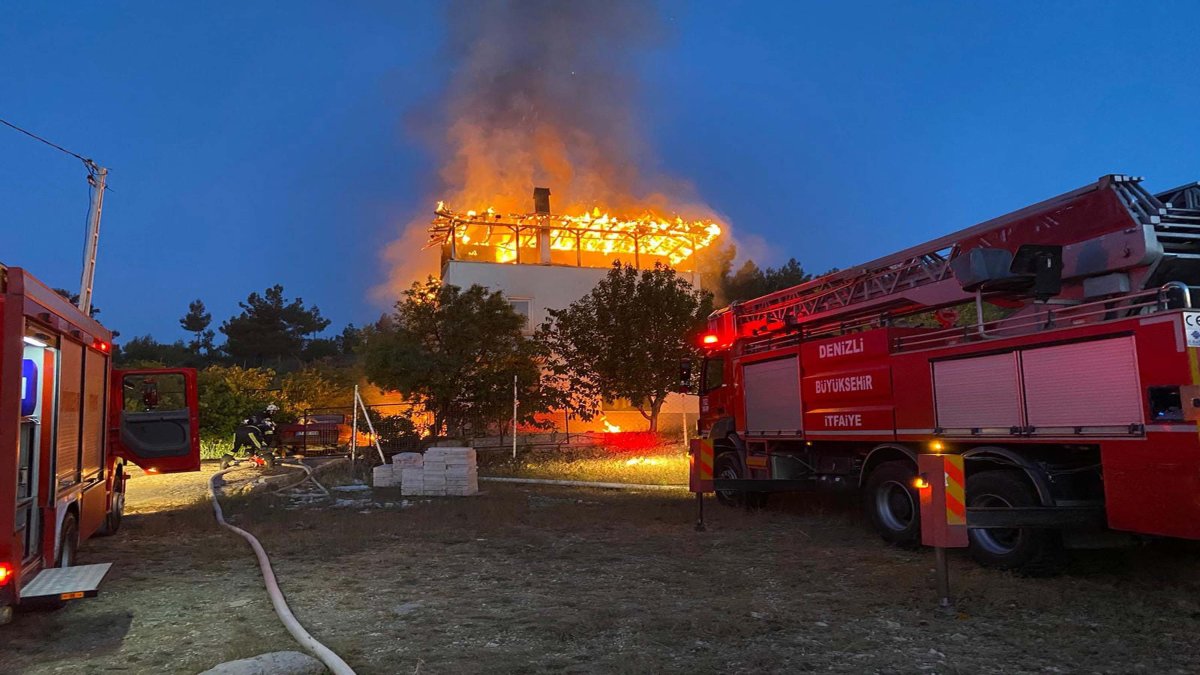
112	521
728	467
68	542
1028	550
891	504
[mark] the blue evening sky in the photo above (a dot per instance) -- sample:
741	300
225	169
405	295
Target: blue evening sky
254	143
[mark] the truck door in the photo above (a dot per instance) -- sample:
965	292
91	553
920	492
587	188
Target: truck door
155	419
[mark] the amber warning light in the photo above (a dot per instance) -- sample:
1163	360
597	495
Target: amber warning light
5	573
710	339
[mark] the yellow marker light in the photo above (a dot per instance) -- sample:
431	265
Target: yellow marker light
920	483
936	446
70	596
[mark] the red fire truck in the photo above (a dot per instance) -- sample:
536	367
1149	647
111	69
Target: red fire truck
69	422
1054	348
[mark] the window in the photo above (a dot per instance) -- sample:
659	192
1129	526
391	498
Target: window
159	392
714	375
522	306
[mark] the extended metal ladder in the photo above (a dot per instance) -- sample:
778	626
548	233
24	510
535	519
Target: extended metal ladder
920	278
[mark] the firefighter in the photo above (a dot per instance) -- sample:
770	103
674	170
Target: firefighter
255	434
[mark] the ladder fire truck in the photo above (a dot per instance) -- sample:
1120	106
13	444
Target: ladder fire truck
1053	348
69	422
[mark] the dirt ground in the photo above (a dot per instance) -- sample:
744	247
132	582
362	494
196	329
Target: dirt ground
525	579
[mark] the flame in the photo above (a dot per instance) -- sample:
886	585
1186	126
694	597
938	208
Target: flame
652	236
609	427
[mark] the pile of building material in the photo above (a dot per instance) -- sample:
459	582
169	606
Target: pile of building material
441	472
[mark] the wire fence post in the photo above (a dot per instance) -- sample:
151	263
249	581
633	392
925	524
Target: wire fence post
514	417
354	426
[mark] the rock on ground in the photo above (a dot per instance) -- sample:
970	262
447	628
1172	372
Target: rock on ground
272	663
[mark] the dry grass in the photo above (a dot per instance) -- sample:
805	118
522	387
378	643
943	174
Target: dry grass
530	579
655	465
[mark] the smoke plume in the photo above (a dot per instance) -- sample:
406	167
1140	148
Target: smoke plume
545	93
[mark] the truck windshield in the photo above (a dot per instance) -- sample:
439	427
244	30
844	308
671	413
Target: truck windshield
714	375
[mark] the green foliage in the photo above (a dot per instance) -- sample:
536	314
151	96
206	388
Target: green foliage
750	281
625	339
228	394
271	328
456	352
311	388
146	352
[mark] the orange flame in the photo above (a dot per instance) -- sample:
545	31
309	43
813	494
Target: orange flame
609	427
488	235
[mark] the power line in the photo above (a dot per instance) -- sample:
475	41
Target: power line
90	164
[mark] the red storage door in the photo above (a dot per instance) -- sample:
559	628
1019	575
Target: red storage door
773	397
1090	386
70	411
981	393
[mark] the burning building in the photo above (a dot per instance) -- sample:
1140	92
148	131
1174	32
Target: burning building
541	261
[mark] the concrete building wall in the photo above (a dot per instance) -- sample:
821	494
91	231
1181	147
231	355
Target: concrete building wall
544	286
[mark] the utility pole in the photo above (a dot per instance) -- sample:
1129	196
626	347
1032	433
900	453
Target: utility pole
97	176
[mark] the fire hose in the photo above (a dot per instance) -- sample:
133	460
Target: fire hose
331	660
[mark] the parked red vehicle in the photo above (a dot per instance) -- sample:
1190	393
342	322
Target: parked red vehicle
1072	391
322	432
69	425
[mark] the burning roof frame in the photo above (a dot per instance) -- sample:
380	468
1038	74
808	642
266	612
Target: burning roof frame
444	231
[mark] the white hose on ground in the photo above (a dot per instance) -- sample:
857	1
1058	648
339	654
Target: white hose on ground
331	660
309	477
583	483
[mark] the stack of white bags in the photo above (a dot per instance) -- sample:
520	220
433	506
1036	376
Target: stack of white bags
441	472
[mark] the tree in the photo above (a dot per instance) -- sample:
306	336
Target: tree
626	338
146	352
228	394
271	328
196	321
456	352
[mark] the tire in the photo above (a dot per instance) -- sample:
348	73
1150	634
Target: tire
729	467
1032	551
68	542
226	461
892	505
112	521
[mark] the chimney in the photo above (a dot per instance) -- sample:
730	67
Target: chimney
541	201
541	206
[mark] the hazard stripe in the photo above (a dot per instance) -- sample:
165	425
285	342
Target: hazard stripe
956	511
956	502
954	470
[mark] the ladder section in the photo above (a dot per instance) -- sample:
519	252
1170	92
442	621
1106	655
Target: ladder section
920	278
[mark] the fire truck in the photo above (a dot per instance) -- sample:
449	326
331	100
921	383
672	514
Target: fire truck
1054	348
69	424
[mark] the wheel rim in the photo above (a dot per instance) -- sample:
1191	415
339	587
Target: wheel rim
996	541
894	505
728	473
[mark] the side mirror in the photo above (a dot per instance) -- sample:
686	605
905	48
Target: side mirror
685	376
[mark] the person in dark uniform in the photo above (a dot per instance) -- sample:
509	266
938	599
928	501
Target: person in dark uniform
255	435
